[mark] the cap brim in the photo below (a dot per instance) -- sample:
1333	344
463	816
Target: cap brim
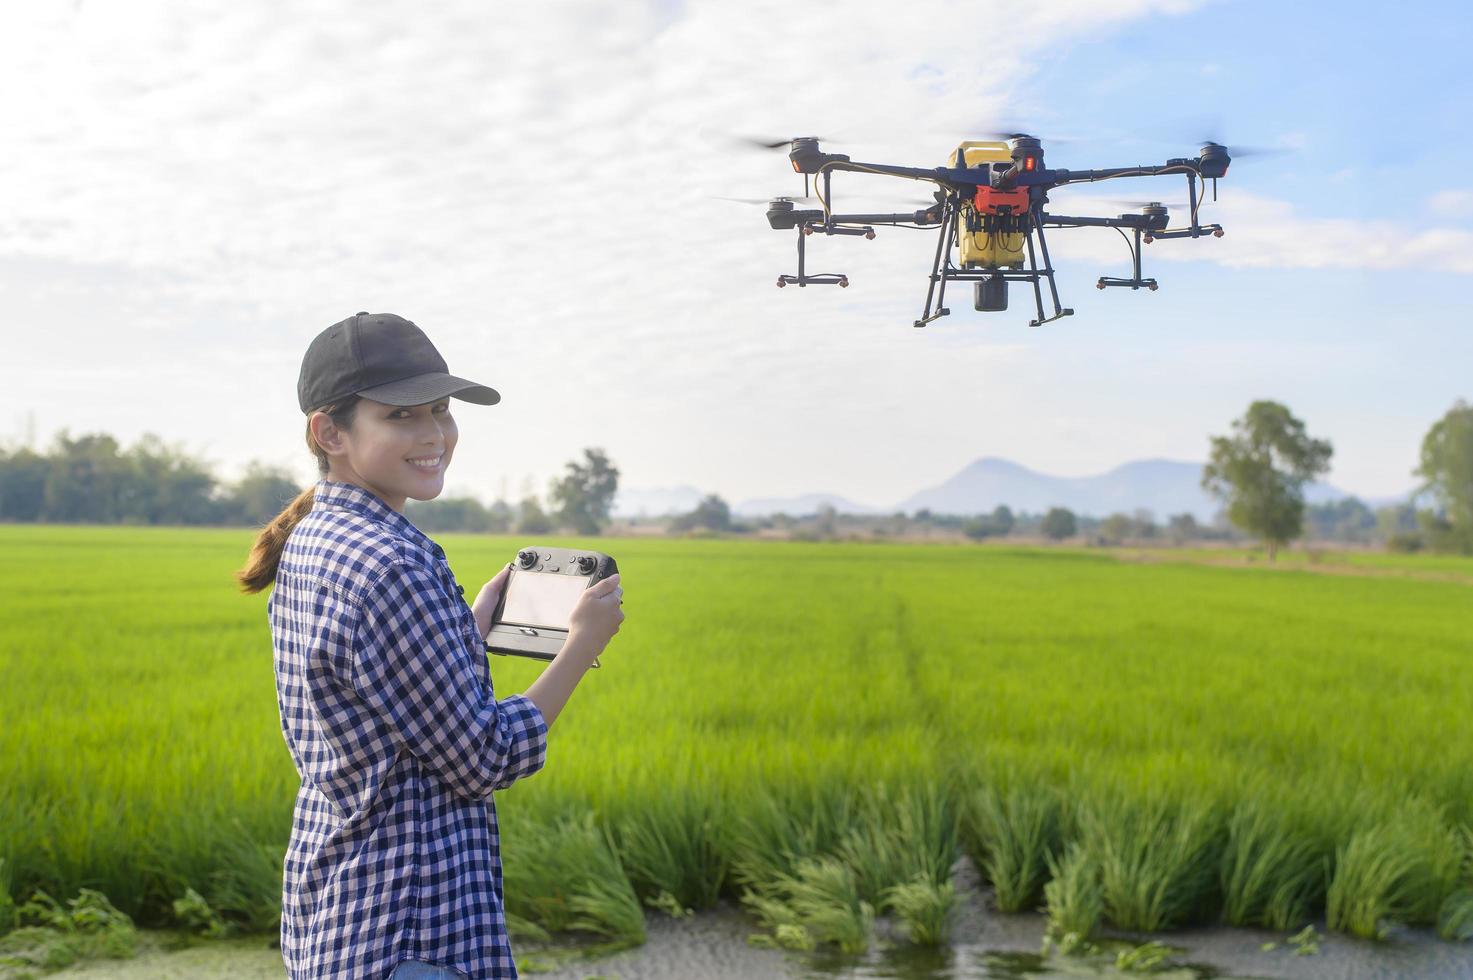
424	388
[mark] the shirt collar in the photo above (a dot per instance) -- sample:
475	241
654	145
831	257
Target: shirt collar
350	496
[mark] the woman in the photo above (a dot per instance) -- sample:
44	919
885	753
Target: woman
394	863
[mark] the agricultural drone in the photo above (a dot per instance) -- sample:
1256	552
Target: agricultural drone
989	205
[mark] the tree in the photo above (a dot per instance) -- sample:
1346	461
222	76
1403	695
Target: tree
1059	524
826	521
260	494
583	496
23	485
712	513
1347	519
499	516
86	481
163	485
448	514
531	518
1116	528
1447	467
996	524
1182	527
1260	471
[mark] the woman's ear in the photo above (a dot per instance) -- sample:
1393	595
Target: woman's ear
327	434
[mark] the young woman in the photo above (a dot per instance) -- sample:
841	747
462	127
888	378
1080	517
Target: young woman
394	864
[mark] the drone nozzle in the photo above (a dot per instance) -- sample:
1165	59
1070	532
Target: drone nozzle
1213	160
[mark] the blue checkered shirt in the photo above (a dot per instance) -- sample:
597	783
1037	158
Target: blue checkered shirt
389	714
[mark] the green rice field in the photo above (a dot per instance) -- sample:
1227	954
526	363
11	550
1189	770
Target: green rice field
817	730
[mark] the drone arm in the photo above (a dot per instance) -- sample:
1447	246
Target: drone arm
909	218
1059	177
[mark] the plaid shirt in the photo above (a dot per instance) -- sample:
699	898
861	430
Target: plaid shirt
388	711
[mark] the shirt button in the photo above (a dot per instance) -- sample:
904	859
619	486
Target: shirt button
439	551
460	589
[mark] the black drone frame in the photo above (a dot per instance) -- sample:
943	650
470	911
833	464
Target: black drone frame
958	184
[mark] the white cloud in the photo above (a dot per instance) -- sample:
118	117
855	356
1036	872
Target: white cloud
1264	232
1451	203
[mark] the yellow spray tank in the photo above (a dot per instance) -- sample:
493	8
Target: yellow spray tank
991	227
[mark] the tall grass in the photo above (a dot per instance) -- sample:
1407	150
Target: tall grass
1405	869
1158	859
568	876
1275	867
1075	895
1012	833
819	725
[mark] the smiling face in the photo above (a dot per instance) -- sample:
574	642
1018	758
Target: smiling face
393	451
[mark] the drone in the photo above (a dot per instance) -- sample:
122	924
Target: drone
989	206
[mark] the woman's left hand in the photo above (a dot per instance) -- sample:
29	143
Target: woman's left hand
485	604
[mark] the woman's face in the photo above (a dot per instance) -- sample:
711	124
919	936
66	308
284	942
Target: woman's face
388	443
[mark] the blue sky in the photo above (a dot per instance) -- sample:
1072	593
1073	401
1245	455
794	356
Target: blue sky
192	192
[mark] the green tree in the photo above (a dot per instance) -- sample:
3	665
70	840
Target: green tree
1182	527
1059	523
163	485
711	513
583	496
260	494
1260	471
1116	528
1000	522
1447	468
448	514
23	485
531	518
87	480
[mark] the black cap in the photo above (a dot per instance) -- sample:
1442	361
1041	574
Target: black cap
383	357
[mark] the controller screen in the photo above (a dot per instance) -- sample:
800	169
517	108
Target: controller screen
542	599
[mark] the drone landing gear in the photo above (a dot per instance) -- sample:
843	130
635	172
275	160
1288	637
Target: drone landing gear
992	284
803	278
1135	281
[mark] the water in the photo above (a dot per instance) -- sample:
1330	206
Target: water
712	945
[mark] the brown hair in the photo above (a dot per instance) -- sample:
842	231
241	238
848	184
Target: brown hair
260	567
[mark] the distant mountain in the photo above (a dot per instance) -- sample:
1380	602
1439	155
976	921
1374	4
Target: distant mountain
802	506
1162	486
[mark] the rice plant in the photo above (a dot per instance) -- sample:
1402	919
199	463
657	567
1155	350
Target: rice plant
1012	833
899	836
567	876
713	757
1404	871
1158	860
1075	897
925	907
822	899
1274	870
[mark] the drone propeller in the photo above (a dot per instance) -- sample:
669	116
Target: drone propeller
1004	131
1137	205
1238	151
764	200
768	143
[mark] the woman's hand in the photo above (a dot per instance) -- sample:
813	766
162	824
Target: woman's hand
596	617
485	604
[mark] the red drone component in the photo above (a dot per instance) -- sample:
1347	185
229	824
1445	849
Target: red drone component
989	199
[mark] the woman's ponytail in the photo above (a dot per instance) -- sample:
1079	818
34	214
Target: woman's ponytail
265	557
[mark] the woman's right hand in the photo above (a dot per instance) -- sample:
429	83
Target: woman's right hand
596	617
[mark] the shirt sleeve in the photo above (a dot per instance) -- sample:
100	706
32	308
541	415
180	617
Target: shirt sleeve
410	666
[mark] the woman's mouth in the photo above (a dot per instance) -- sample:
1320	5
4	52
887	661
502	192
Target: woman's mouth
427	464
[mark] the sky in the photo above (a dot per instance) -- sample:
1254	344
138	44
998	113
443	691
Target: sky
189	193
